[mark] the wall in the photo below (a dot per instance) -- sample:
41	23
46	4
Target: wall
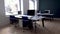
26	6
3	19
53	5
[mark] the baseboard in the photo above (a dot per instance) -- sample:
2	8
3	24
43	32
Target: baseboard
53	18
56	18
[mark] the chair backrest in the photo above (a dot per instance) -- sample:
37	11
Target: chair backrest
24	18
12	16
27	22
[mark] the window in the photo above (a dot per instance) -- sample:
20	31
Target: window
13	6
35	4
32	4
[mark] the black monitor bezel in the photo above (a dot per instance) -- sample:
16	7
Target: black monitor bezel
30	14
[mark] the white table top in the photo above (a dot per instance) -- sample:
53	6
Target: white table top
37	17
20	16
30	17
45	14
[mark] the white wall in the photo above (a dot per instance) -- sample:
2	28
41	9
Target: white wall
26	6
3	19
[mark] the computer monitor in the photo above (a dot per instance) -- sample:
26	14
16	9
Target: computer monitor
19	12
31	12
46	11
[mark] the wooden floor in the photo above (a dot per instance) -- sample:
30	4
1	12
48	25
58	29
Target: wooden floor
51	27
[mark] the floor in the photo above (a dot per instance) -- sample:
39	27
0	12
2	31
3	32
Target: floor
51	27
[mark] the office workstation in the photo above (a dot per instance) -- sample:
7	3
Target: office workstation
29	17
28	14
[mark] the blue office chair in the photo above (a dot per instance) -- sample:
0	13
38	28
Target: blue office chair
13	20
26	22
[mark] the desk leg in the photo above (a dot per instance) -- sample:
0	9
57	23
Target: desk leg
35	26
43	22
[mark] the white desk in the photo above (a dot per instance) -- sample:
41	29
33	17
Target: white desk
20	16
45	14
37	17
33	18
30	17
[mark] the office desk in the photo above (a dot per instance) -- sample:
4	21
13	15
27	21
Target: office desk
20	16
37	18
46	15
33	18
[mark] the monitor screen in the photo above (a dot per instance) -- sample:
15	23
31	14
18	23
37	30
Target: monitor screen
19	12
31	12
